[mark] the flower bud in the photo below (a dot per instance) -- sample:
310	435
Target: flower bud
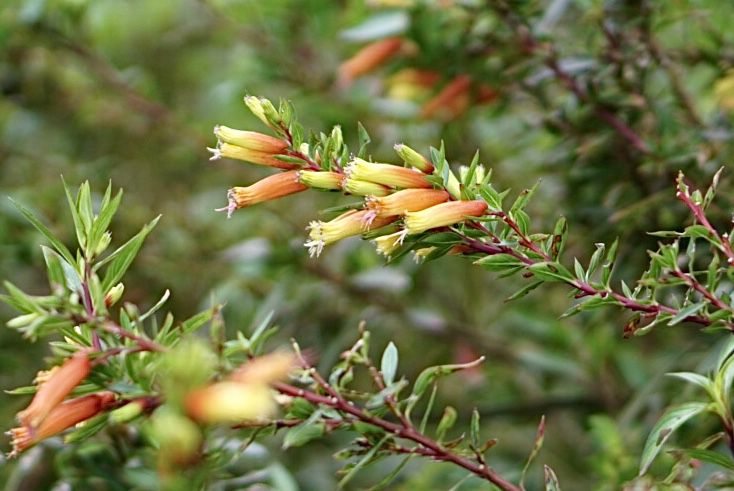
386	174
272	187
358	187
413	158
346	225
451	101
404	201
58	383
443	215
60	418
114	295
265	369
178	438
250	139
22	320
227	150
231	402
128	412
264	110
103	244
321	179
368	58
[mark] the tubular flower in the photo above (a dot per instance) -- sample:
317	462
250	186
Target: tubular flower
258	157
451	101
346	225
387	244
60	418
250	139
320	180
265	369
442	215
368	58
404	201
386	174
54	386
272	187
413	158
231	402
358	187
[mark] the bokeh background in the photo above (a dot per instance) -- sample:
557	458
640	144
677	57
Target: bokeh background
129	91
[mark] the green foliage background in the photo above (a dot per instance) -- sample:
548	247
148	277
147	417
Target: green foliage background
130	90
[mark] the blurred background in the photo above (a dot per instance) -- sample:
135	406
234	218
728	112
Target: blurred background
129	91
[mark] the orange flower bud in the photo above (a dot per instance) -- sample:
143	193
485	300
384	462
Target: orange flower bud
404	201
272	187
368	58
230	402
60	418
358	187
250	139
265	369
451	101
442	215
413	158
236	152
386	174
346	225
56	385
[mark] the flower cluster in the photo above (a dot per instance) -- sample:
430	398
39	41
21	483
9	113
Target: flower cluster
399	200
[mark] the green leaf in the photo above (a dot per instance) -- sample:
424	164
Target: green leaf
70	276
120	260
711	457
551	481
474	428
369	456
303	433
499	262
103	220
696	379
90	427
389	363
537	445
447	421
364	140
524	290
670	421
685	312
551	271
56	243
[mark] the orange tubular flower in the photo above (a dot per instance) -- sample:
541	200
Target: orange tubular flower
404	201
321	179
58	383
368	58
386	174
61	417
358	187
346	225
250	139
272	187
265	369
442	215
236	152
451	101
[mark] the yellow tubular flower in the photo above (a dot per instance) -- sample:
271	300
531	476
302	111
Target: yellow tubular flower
386	174
442	215
230	151
272	187
387	244
58	383
364	188
404	201
60	418
265	369
346	225
321	180
250	139
231	402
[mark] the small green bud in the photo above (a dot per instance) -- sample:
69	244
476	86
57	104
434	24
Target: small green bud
179	439
127	413
413	158
114	295
22	320
103	244
337	137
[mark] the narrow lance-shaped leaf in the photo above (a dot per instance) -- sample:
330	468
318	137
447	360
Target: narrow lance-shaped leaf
55	242
389	364
120	260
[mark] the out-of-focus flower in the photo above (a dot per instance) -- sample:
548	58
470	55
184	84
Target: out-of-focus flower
231	402
227	150
321	179
386	174
60	418
413	158
250	139
265	369
451	101
368	58
272	187
403	201
54	386
442	215
345	225
411	84
358	187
